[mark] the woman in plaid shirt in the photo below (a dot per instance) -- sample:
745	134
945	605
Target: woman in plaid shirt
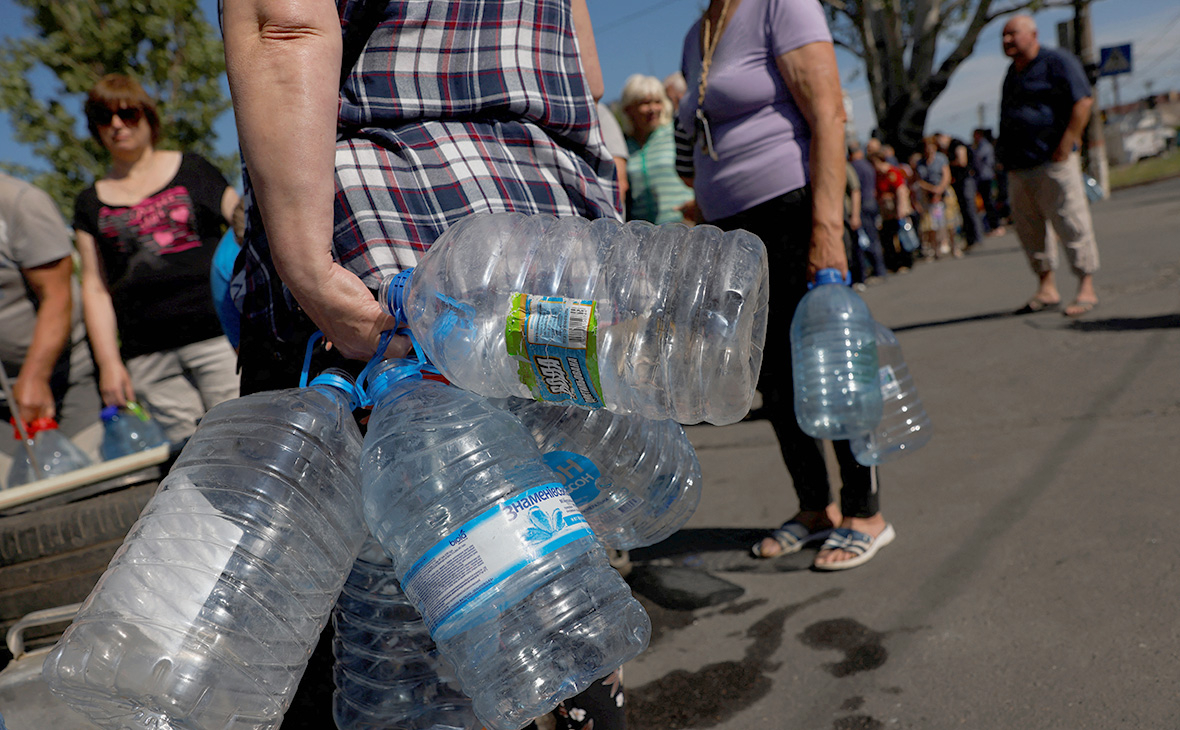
440	117
452	107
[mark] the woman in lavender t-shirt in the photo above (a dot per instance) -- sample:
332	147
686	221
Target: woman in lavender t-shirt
764	115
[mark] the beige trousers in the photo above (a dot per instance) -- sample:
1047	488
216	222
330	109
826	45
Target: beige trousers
1048	199
179	385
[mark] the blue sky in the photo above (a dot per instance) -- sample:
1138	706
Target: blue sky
645	36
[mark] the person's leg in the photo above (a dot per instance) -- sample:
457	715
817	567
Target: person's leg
1069	215
599	707
972	225
784	225
1029	222
860	506
212	367
161	384
876	253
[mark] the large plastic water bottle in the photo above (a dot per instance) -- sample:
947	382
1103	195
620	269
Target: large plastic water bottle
489	547
388	671
904	426
661	321
128	430
637	481
55	454
834	361
209	611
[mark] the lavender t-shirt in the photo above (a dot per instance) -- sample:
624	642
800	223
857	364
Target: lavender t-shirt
761	139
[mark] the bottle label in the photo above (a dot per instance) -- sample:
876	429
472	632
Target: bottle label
462	569
890	387
591	490
555	340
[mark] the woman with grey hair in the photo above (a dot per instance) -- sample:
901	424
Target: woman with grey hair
657	192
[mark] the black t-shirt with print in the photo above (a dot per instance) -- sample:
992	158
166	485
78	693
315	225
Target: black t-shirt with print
156	256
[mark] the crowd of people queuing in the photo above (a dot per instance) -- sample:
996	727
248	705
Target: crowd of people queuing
749	133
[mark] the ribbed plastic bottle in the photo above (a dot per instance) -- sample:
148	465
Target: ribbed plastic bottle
128	430
661	321
834	361
55	454
388	671
209	611
489	547
905	426
637	481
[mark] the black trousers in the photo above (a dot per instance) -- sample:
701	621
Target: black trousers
784	225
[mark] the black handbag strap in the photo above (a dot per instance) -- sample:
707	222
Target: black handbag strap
357	33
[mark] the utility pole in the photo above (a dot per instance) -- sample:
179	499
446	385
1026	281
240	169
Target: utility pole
1094	147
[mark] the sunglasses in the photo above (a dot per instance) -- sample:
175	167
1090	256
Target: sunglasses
129	115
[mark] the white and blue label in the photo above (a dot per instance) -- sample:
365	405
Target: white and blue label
461	570
591	490
890	386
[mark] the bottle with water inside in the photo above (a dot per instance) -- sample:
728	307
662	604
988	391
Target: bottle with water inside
209	611
904	427
55	454
129	430
489	547
388	672
637	481
834	361
661	321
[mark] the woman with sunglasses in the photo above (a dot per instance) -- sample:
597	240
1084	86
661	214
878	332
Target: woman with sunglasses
765	117
146	233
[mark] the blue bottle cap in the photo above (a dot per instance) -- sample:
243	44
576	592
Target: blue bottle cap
389	373
828	276
342	380
109	412
392	294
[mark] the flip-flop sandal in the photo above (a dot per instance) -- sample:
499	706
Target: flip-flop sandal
862	545
1034	305
1083	308
791	537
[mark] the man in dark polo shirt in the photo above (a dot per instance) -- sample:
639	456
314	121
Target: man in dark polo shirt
1044	110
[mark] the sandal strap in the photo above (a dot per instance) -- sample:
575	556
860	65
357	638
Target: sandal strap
849	540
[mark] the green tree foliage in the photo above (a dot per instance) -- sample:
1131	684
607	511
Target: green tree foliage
166	45
903	45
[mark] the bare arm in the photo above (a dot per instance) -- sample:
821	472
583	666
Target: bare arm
114	382
229	201
588	49
50	284
813	79
282	60
1079	117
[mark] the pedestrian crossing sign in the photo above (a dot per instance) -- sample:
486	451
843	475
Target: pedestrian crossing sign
1115	60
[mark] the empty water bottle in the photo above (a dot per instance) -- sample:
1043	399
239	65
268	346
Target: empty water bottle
388	671
904	426
489	547
637	481
209	611
834	361
129	430
661	321
54	453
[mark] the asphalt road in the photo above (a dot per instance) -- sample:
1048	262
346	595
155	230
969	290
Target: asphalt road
1034	581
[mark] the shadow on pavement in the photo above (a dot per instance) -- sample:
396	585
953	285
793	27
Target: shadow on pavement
1128	324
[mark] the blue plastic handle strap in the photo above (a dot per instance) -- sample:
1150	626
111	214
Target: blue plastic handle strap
315	337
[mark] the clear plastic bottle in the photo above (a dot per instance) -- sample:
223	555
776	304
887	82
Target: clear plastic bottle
834	361
661	321
55	454
637	481
128	430
905	426
388	671
209	611
489	547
